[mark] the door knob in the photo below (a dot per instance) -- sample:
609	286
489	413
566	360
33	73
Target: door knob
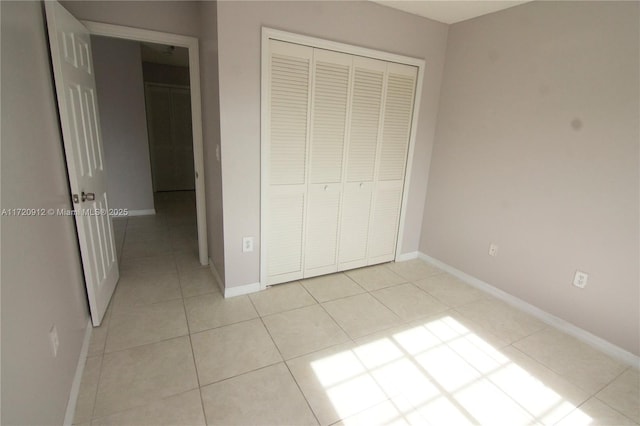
88	196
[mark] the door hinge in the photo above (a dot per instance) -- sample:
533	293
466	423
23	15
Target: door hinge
76	199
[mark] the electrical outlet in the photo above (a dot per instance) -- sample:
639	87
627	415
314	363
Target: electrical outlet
493	250
53	339
580	279
247	244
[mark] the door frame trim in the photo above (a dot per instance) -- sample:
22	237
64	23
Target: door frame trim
274	34
191	43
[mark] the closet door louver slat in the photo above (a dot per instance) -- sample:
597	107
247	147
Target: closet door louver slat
289	100
365	118
397	122
330	92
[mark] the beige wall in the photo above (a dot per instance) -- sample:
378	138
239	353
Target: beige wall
118	71
178	17
361	23
211	133
537	150
42	281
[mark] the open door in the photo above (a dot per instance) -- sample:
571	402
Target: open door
77	103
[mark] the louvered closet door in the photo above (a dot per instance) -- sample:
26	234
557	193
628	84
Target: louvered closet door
364	135
289	98
330	100
390	174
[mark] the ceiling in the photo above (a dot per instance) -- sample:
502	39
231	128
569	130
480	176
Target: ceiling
163	54
450	11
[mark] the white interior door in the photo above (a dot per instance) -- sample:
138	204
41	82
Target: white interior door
76	92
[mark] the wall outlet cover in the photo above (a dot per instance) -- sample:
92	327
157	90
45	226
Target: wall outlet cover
247	244
580	279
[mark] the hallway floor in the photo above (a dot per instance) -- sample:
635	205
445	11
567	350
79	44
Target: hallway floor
393	344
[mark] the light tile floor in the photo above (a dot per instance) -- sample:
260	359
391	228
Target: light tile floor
390	344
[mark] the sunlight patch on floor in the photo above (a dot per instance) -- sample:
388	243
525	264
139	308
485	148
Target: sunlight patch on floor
439	372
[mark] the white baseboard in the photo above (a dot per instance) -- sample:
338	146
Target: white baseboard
407	256
77	378
241	289
232	291
591	339
216	275
146	212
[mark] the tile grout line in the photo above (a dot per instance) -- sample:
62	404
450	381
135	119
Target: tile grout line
315	416
186	318
175	254
350	340
103	352
284	361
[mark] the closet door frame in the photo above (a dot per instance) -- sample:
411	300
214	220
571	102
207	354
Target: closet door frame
265	112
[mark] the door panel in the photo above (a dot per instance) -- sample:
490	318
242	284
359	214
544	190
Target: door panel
170	137
286	207
286	160
184	170
76	95
384	227
322	229
354	225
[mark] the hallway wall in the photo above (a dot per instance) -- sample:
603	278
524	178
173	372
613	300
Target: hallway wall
123	120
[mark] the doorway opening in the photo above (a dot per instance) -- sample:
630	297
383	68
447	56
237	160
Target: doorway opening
167	175
145	109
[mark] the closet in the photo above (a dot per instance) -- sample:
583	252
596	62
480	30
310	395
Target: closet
338	128
170	138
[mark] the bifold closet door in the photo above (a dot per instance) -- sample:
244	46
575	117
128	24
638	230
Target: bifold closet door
339	128
289	97
362	147
329	110
390	174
